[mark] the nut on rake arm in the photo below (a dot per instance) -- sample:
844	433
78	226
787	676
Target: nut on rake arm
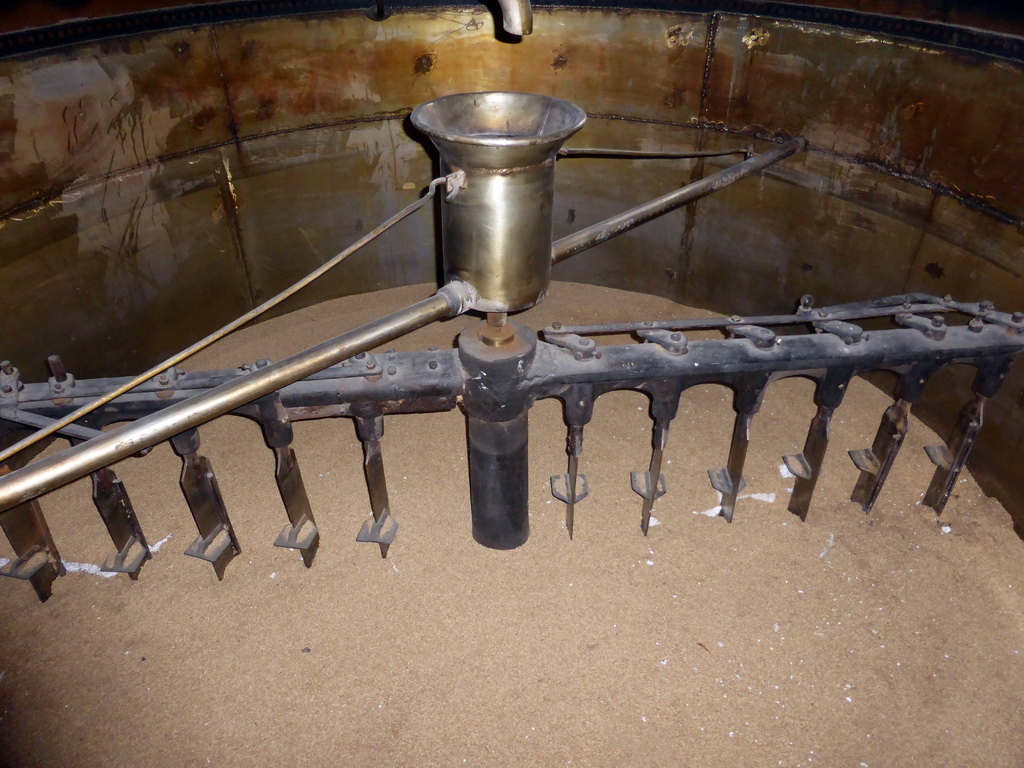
498	381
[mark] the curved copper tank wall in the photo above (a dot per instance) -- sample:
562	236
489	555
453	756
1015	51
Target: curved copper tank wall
156	184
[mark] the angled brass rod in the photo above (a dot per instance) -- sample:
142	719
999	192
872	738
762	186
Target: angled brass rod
78	461
220	333
634	217
640	154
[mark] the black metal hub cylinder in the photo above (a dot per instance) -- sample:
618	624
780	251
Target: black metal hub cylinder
497	405
499	481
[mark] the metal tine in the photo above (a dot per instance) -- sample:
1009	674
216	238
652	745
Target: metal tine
806	465
112	502
949	459
118	514
381	526
301	533
650	485
729	481
875	462
573	487
216	542
36	557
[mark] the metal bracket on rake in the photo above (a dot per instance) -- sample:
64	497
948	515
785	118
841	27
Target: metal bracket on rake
848	332
582	348
762	338
673	342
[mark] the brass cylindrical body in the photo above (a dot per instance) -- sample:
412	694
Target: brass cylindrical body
496	222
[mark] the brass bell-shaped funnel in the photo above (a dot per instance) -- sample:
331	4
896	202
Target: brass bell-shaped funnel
496	223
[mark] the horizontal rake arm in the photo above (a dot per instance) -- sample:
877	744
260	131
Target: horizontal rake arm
496	383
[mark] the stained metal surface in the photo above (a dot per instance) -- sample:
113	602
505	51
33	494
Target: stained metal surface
138	216
917	111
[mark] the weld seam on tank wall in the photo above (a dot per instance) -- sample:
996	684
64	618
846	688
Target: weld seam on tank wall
969	201
220	15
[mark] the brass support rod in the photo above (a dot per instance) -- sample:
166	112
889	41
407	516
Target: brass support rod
634	217
78	461
640	154
220	333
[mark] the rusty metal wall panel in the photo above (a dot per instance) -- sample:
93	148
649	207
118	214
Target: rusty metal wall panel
947	118
116	272
759	246
291	73
304	196
941	268
998	243
78	115
588	190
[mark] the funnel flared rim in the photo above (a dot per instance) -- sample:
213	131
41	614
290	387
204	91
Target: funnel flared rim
475	118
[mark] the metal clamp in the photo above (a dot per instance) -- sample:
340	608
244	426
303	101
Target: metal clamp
848	332
762	338
671	341
934	328
581	347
